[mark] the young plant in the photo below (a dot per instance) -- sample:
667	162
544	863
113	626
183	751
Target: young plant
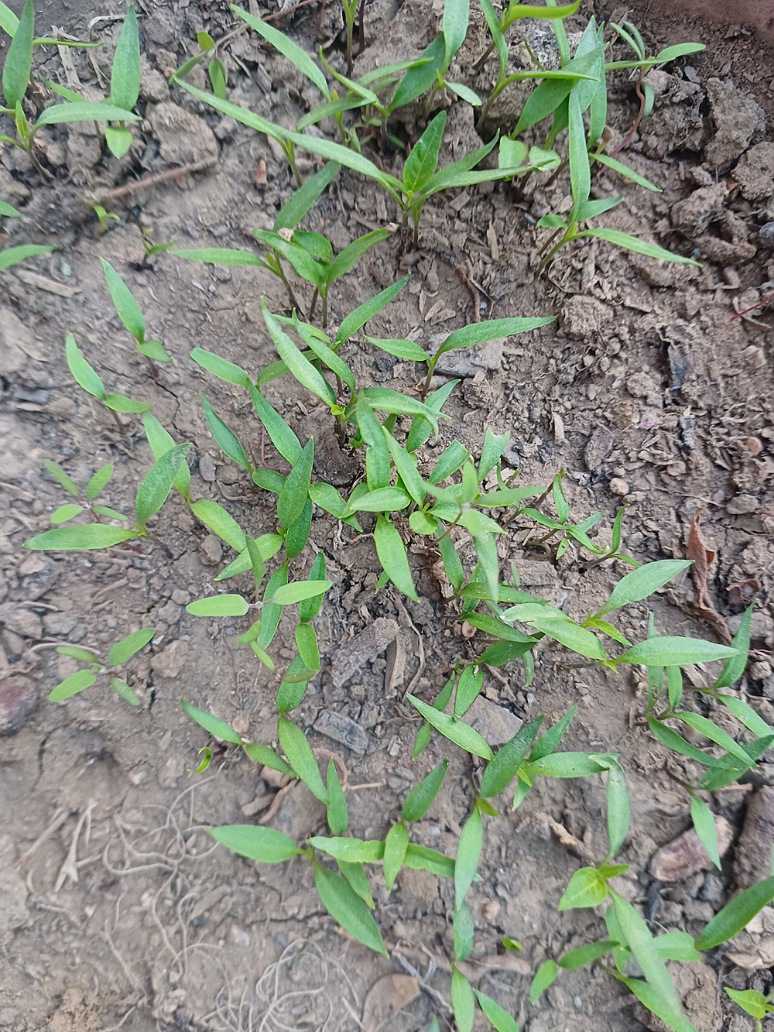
753	1003
16	74
95	666
86	496
10	256
421	177
89	380
130	314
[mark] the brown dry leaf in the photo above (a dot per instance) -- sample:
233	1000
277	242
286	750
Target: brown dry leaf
703	560
386	997
474	970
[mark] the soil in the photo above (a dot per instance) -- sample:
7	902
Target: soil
654	387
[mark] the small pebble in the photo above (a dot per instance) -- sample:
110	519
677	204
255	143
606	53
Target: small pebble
619	487
766	235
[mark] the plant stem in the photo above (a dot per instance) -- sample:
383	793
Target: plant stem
325	310
484	57
567	236
293	300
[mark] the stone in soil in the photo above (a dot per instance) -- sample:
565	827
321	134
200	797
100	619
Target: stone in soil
736	118
18	699
755	172
184	138
13	892
752	856
584	316
344	730
354	654
685	855
16	343
495	723
300	814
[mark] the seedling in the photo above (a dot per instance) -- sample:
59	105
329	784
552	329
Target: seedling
10	256
753	1003
16	80
130	314
86	377
86	496
95	666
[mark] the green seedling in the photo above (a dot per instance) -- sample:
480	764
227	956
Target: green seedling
421	177
16	74
87	378
85	497
753	1003
130	314
94	667
11	256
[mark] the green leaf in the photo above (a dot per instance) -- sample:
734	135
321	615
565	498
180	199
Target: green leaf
395	846
308	649
302	200
497	1016
84	111
545	976
344	156
454	26
586	888
664	1008
347	258
221	524
490	329
161	441
716	734
309	608
65	512
9	23
704	826
393	556
328	357
72	685
18	59
423	158
441	701
280	434
516	11
295	492
677	945
388	400
736	915
219	729
421	797
65	481
577	150
457	731
79	538
734	666
750	1000
586	954
464	93
10	256
551	740
348	909
421	858
383	499
218	605
287	47
469	846
408	350
636	244
337	803
643	582
228	257
357	879
157	483
122	689
628	173
672	740
99	481
420	75
123	650
221	367
125	72
746	715
226	439
672	53
406	465
618	809
566	765
81	371
350	850
556	625
501	770
264	845
301	368
121	403
299	755
639	940
263	755
675	651
298	591
463	1002
357	318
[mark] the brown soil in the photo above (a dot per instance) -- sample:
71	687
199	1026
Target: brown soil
117	911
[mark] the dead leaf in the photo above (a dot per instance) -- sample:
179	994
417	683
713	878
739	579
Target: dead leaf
703	561
386	997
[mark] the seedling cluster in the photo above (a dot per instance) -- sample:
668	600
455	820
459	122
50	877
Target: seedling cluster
460	505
